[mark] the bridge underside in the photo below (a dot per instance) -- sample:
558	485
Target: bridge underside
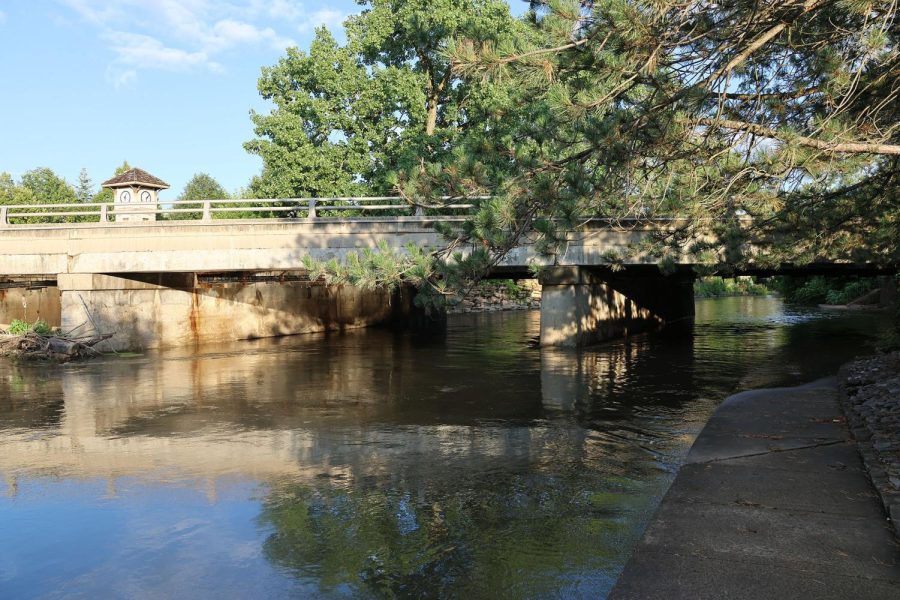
580	306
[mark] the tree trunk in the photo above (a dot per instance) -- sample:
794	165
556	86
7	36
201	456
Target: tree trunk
431	120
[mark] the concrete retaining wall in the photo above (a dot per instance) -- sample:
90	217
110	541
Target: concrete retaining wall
146	315
30	305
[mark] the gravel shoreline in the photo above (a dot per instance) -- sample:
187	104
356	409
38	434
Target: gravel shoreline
871	400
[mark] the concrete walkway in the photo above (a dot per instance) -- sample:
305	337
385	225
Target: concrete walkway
772	503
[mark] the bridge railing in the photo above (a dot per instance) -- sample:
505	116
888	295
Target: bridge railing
245	208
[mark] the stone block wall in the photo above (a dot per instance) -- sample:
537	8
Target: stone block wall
496	295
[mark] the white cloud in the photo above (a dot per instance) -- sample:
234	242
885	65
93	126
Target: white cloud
2	17
228	33
145	52
183	35
330	18
121	78
286	9
97	13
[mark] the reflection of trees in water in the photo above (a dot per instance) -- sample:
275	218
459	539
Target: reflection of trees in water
30	396
752	342
520	536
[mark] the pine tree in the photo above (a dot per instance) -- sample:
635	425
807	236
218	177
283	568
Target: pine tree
84	191
769	130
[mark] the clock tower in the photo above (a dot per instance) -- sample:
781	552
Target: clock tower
135	191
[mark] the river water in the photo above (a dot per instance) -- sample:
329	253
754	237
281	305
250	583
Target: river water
373	464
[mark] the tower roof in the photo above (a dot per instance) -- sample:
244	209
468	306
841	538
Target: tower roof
135	177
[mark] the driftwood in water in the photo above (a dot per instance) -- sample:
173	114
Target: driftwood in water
36	346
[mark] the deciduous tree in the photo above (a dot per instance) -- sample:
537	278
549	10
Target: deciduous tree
47	187
203	187
348	118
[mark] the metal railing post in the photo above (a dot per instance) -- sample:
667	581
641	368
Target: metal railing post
312	208
4	216
420	212
207	210
104	214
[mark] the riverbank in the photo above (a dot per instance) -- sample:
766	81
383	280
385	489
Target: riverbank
772	502
499	295
871	398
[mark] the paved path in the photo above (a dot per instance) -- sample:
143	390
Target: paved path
772	503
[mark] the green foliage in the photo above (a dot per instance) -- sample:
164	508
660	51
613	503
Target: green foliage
813	290
768	129
509	286
715	287
369	542
36	187
203	187
824	290
851	291
10	193
84	190
512	288
19	327
353	119
48	188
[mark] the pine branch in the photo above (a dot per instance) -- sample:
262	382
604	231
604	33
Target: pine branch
519	57
844	147
762	40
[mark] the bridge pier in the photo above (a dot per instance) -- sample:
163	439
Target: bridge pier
582	306
160	310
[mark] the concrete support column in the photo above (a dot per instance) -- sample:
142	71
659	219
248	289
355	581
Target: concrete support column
581	306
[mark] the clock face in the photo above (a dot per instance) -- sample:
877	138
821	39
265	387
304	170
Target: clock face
125	196
145	196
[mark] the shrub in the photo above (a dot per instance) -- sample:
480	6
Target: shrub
19	327
714	287
824	290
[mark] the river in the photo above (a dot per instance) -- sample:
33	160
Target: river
374	464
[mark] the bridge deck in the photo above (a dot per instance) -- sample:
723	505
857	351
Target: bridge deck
254	244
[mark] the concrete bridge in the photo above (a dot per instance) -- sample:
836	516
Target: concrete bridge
160	283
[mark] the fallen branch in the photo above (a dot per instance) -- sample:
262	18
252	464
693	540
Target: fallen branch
59	348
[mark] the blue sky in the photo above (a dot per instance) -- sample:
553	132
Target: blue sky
166	84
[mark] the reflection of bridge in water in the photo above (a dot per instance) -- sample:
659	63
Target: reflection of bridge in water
310	411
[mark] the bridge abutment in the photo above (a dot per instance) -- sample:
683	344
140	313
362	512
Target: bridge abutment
582	306
29	304
160	310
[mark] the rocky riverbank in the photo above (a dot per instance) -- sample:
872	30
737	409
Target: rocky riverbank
871	401
499	295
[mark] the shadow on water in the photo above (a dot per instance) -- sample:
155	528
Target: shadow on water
374	464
